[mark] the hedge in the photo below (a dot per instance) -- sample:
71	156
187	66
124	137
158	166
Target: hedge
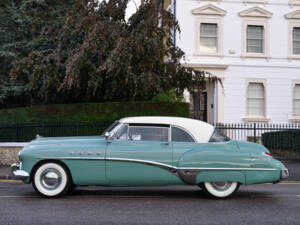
92	112
282	140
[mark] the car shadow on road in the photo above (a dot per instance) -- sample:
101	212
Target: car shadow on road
160	192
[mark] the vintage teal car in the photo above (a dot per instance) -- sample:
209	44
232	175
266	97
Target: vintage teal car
144	151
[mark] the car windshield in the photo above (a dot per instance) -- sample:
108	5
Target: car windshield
111	127
218	136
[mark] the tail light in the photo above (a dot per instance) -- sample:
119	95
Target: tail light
268	154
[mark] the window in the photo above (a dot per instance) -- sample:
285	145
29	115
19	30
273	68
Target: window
297	100
209	30
256	100
209	37
180	135
121	134
296	40
218	136
255	33
255	39
148	133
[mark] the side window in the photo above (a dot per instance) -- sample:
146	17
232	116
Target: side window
145	133
180	135
121	134
219	137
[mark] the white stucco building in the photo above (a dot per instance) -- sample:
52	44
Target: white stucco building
254	47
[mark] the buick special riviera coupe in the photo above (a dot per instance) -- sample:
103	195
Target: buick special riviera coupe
147	151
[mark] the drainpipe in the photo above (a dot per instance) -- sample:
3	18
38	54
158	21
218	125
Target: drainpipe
174	12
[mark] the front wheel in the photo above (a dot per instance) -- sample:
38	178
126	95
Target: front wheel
220	189
51	180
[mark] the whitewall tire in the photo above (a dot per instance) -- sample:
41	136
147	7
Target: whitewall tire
51	180
220	189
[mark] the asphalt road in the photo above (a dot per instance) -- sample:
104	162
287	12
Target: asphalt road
254	204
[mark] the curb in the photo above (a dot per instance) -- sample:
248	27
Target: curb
6	177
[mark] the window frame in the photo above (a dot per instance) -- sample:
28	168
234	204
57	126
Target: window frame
266	38
149	125
294	3
210	20
260	39
209	14
292	25
185	130
217	38
249	118
293	90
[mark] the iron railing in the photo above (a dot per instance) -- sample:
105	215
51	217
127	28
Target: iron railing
283	140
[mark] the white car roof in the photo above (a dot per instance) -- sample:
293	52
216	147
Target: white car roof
200	130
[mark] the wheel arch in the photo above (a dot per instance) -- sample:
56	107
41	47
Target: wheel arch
41	162
220	176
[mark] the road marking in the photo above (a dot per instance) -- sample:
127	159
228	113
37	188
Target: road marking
10	181
15	196
290	183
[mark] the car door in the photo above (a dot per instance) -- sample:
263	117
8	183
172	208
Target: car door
140	154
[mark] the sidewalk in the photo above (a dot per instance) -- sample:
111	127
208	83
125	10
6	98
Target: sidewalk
294	169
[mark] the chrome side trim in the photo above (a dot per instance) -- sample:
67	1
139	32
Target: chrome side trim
160	164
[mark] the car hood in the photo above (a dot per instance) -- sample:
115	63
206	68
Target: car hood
65	141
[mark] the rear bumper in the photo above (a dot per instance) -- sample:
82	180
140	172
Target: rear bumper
18	174
284	174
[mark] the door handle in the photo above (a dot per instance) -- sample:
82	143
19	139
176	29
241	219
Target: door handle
253	156
166	143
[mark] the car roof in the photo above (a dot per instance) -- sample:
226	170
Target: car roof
200	130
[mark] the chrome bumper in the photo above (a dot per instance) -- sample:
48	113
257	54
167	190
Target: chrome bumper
284	174
18	174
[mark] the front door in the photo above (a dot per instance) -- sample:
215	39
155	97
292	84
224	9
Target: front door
200	105
141	157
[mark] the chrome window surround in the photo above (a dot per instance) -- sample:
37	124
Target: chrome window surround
192	136
130	125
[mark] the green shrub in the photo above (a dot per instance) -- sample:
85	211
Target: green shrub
92	112
288	140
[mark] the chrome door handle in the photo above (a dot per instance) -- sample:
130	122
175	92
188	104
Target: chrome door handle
253	156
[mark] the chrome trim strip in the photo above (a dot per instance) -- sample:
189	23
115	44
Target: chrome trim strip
20	175
160	164
217	168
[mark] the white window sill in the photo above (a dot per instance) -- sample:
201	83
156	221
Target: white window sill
218	54
295	119
295	57
256	119
260	56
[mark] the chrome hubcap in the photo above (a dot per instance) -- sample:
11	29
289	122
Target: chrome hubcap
221	186
51	179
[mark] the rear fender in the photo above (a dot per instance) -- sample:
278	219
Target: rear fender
220	176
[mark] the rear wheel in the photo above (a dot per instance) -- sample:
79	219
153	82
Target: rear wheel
220	189
51	180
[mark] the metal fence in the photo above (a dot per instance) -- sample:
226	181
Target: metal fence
23	132
283	140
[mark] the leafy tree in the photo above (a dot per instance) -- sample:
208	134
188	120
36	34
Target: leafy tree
99	56
21	24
